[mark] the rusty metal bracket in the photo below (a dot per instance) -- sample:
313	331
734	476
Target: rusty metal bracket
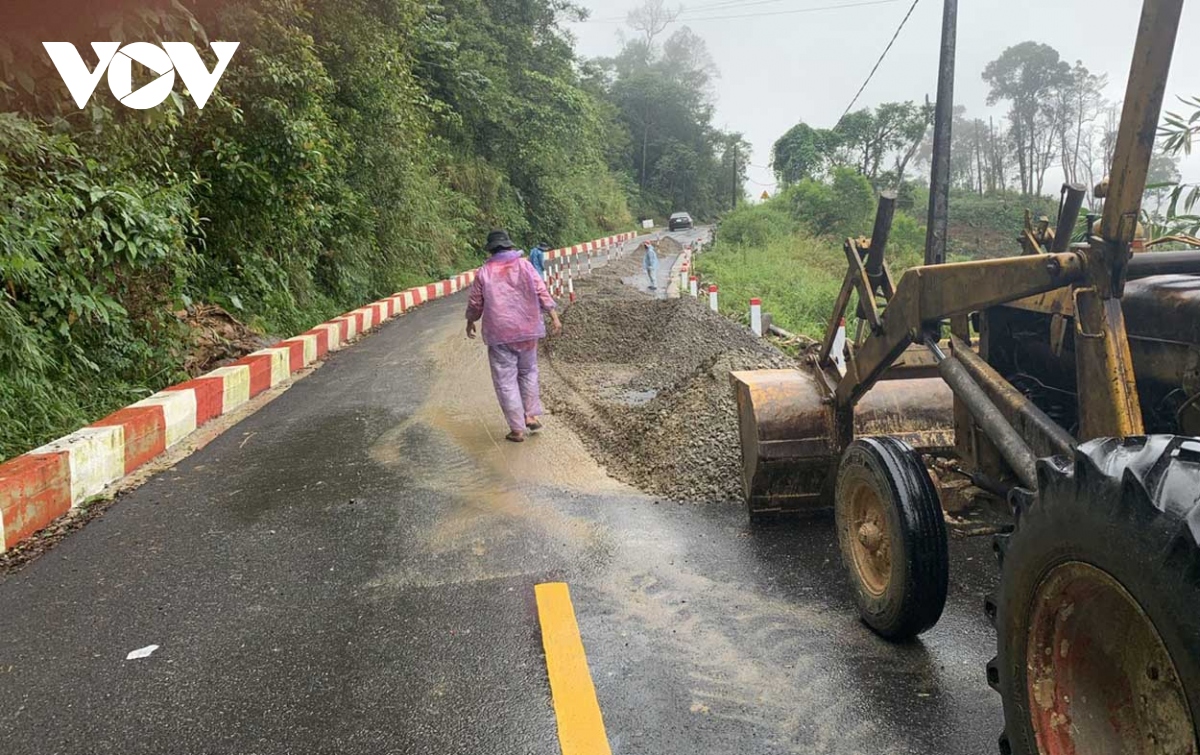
1158	29
1079	327
1108	394
867	308
930	293
839	311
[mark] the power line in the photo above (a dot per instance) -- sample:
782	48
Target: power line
685	10
793	12
763	15
728	4
879	62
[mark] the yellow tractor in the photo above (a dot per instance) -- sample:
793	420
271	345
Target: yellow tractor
1066	380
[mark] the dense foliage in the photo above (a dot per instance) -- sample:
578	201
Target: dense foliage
880	144
353	148
1179	216
788	251
672	156
1057	119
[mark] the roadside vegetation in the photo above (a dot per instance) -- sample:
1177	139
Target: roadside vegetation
353	148
788	250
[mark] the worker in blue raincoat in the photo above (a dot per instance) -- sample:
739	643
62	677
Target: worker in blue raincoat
537	258
650	264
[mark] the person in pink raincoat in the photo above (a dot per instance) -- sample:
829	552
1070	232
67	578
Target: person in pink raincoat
510	297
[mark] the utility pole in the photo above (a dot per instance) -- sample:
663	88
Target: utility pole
939	189
733	149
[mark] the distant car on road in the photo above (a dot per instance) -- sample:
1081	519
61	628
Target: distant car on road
679	221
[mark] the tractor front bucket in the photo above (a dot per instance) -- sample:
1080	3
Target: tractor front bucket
790	450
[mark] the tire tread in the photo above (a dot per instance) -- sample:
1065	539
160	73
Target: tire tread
1142	490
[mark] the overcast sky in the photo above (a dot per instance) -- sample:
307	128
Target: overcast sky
779	66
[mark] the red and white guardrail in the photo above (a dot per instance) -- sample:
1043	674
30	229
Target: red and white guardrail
38	487
564	265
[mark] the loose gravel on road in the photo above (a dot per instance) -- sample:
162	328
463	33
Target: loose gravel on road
645	382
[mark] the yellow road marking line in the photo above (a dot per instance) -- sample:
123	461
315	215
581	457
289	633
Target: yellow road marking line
580	725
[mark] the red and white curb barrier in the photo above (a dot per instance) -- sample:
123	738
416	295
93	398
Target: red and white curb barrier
564	265
677	282
38	487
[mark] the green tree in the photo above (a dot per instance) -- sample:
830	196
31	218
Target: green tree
1178	131
841	208
1030	77
892	132
880	144
663	98
803	152
1079	102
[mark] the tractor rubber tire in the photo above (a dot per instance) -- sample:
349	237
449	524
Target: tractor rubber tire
1098	606
892	537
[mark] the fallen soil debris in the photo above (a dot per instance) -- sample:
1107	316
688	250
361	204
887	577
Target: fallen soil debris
668	247
645	382
217	338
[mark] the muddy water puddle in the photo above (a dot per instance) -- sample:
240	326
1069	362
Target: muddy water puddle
453	445
635	397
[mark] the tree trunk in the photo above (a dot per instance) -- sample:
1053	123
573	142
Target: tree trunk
1031	140
993	163
645	145
1022	158
902	164
979	158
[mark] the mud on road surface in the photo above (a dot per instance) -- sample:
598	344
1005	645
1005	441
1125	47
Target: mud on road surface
645	383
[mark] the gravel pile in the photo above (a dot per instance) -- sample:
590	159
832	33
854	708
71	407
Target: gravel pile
646	384
668	246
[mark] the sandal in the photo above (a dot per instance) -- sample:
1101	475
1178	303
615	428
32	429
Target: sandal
534	426
515	437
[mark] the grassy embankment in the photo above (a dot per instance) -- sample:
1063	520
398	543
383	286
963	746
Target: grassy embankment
788	251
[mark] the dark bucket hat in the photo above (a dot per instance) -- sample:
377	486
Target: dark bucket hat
498	240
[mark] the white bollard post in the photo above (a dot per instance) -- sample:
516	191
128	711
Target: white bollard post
694	286
756	317
712	298
571	287
683	278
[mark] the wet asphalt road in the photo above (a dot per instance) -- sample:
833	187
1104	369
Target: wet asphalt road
351	570
663	279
